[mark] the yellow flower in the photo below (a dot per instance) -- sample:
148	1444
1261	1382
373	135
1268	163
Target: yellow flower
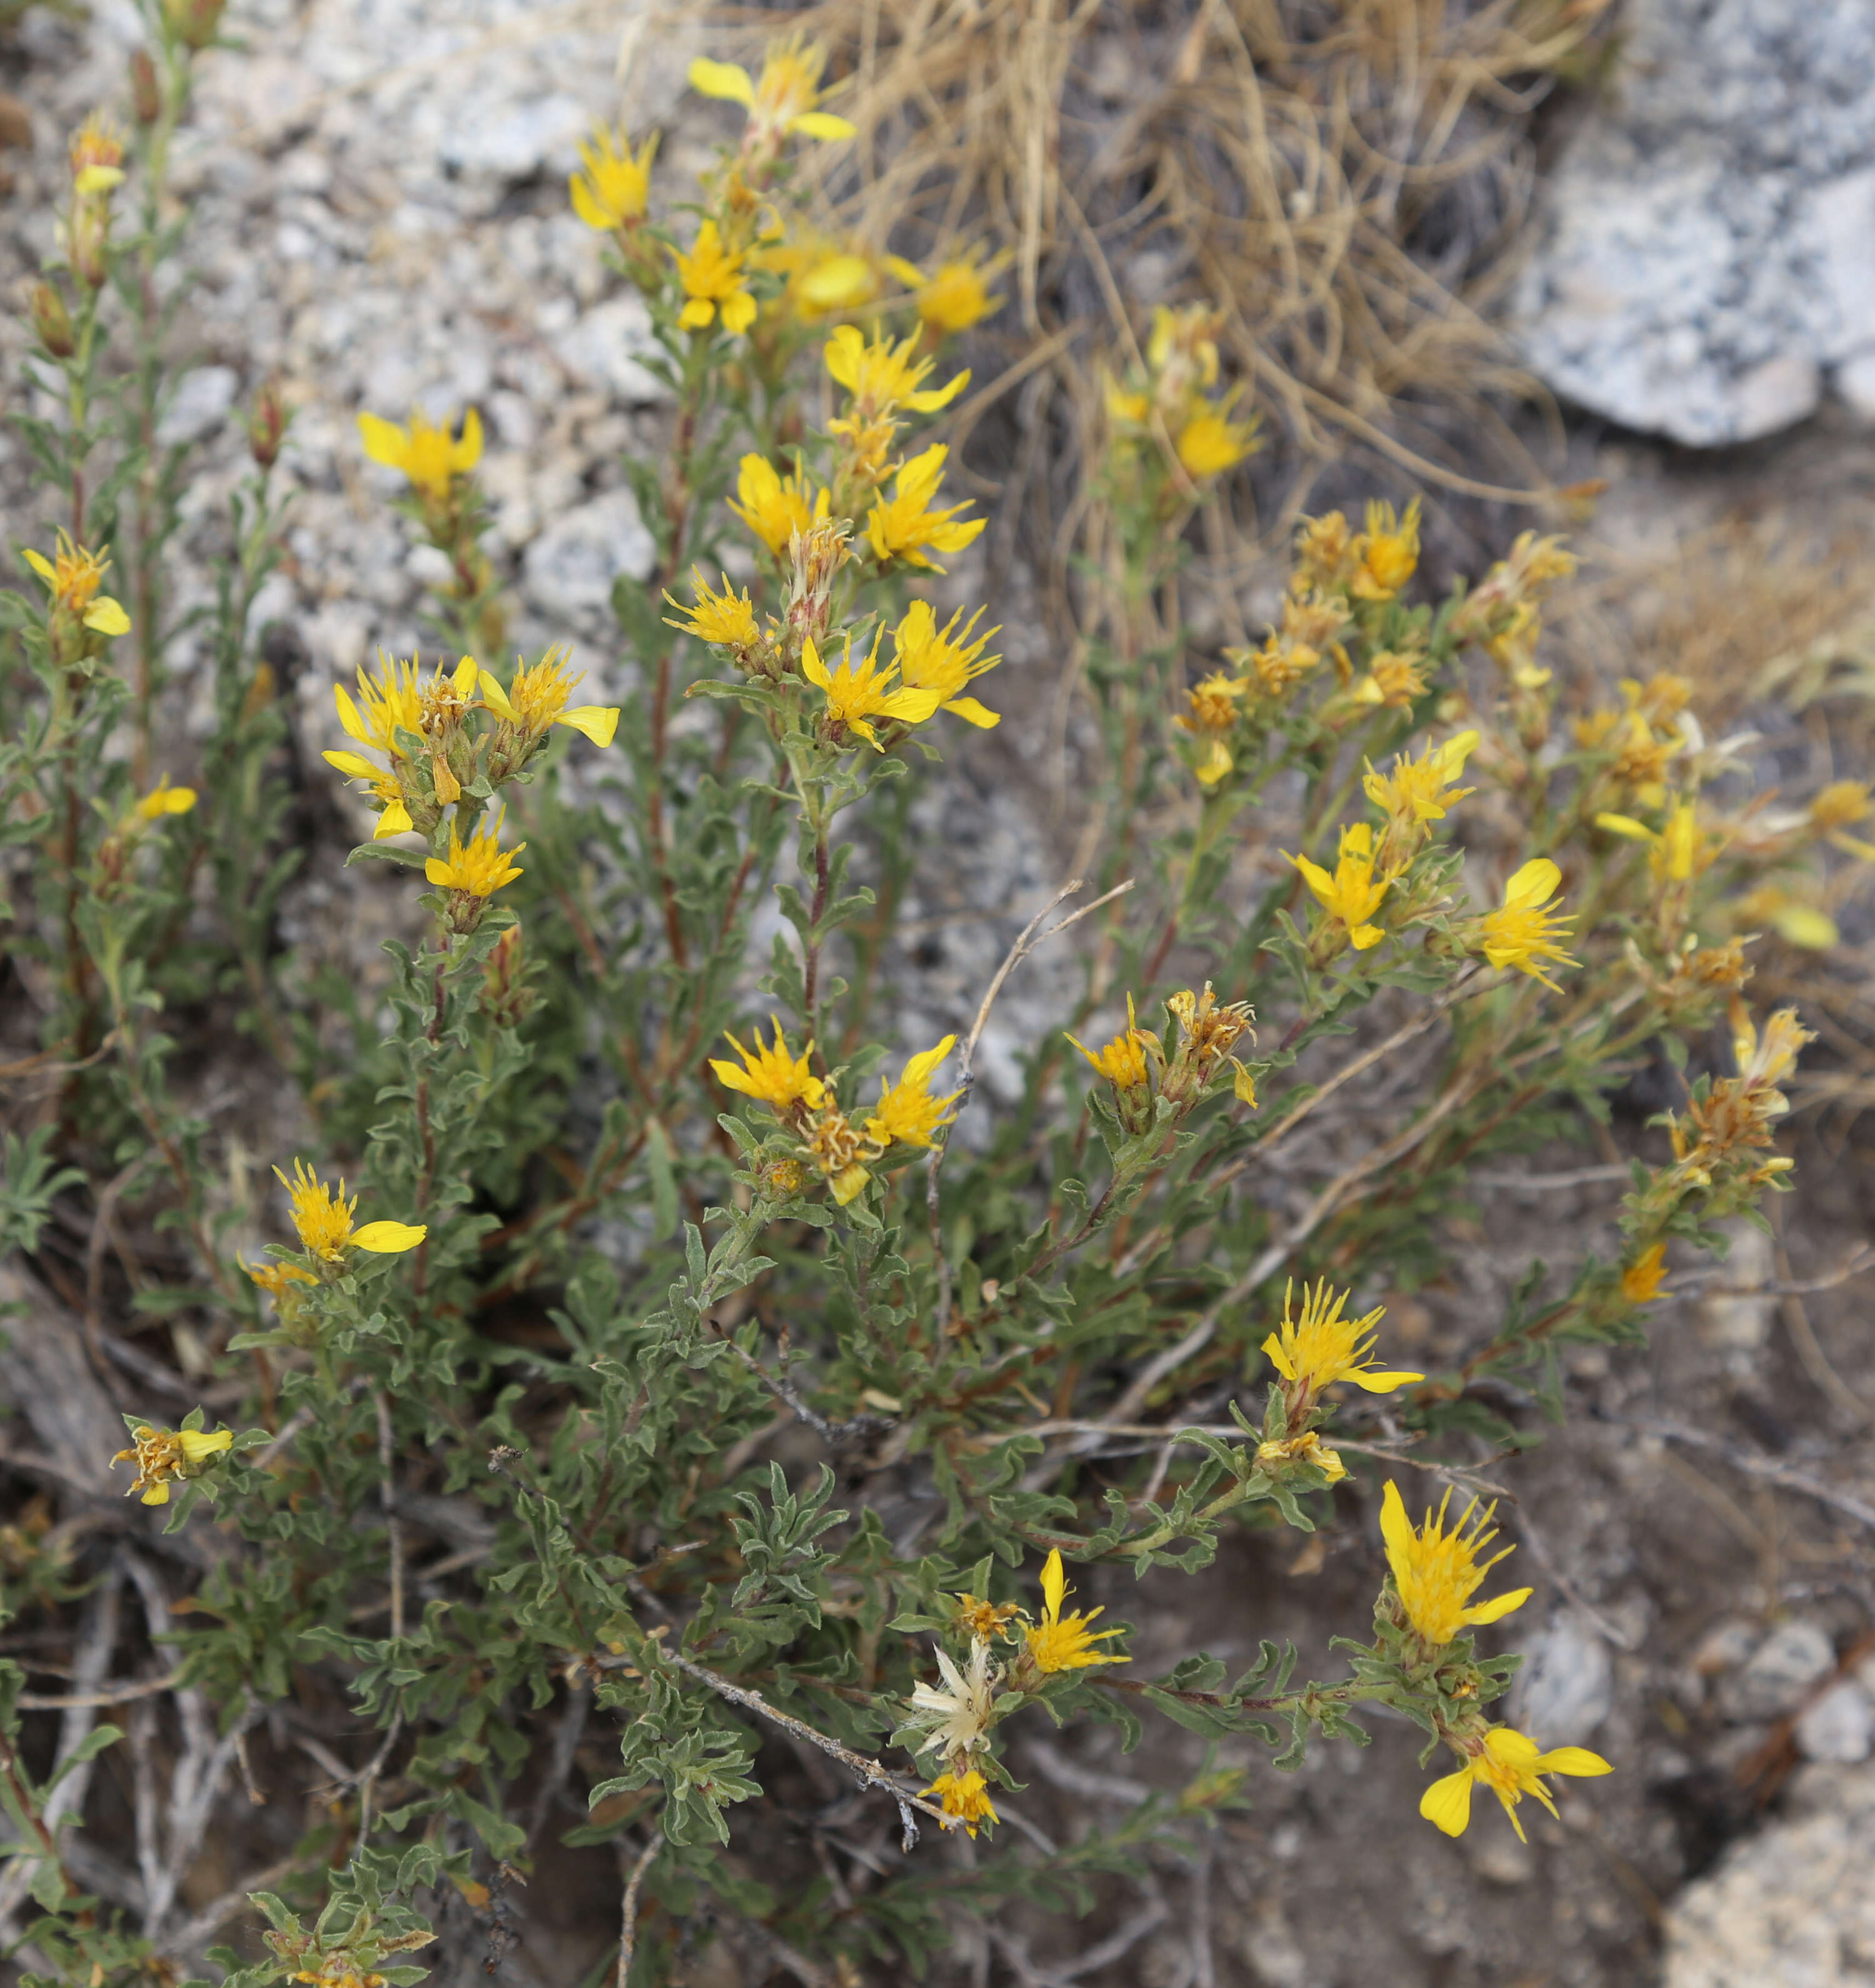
1321	1348
1122	1061
96	156
908	1115
856	695
1510	1765
1183	344
1392	680
537	699
393	817
1208	444
1521	933
1421	790
904	527
1436	1573
1126	408
965	1796
713	280
986	1621
163	1455
1641	1281
164	799
834	1148
1214	712
323	1221
784	101
946	662
954	296
277	1280
1307	1448
1677	851
478	867
818	274
1388	552
1769	1060
1350	894
74	576
879	376
725	619
1059	1643
423	451
612	190
771	1075
775	507
1841	803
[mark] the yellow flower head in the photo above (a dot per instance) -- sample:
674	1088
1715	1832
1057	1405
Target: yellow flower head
956	294
1122	1061
1641	1280
834	1148
1678	850
323	1220
879	376
908	1115
162	1455
1394	681
858	693
1065	1643
966	1797
1511	1765
1320	1347
478	867
713	280
74	576
96	156
771	1075
1307	1448
1209	443
277	1280
1350	894
1326	557
612	190
1765	1061
783	101
163	800
944	660
818	274
1841	803
907	526
773	506
985	1622
1387	551
1213	702
1521	933
725	619
537	699
424	452
1436	1573
1421	790
393	817
1182	349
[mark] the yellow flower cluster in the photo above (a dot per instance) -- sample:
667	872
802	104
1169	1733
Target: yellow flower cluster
165	1456
1170	395
908	1115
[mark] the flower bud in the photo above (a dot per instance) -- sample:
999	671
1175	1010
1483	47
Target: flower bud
88	242
146	91
52	321
193	22
267	423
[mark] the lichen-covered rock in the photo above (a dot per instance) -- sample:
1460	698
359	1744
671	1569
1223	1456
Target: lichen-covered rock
1706	269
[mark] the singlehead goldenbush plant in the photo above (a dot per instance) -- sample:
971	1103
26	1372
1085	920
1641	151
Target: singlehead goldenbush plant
638	1205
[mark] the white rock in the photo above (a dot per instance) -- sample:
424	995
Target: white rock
514	141
203	398
607	347
1790	1907
1839	1726
1793	1657
1566	1688
570	567
1706	261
